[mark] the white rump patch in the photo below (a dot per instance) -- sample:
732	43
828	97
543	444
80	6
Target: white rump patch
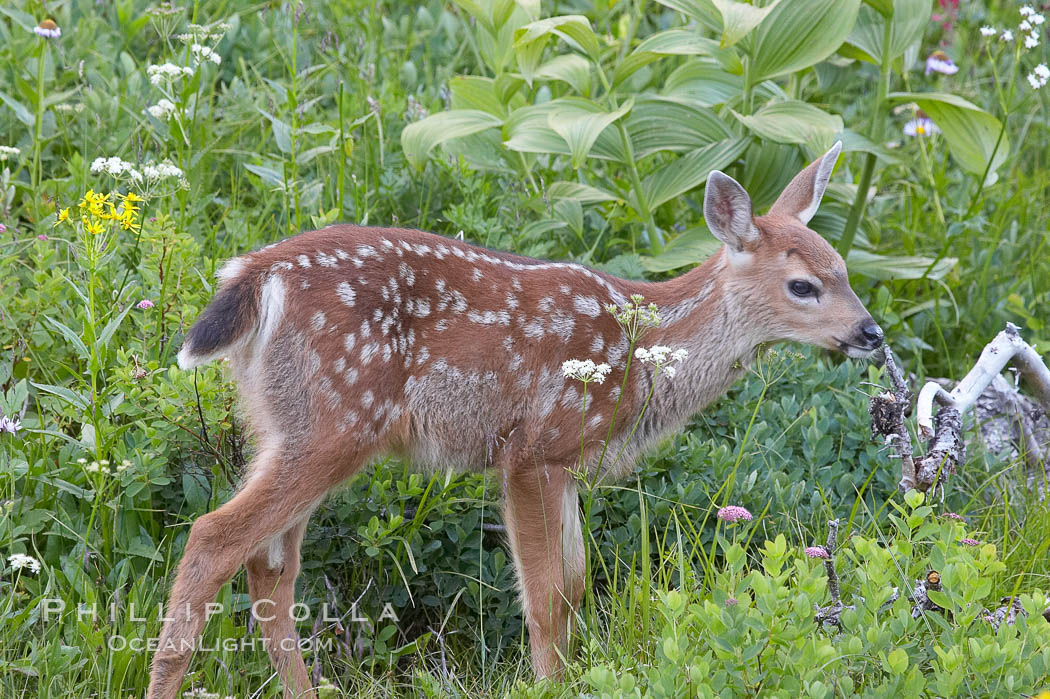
271	309
231	270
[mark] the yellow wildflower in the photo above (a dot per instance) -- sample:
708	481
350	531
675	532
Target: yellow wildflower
63	216
132	198
94	227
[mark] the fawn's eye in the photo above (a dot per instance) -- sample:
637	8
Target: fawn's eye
802	288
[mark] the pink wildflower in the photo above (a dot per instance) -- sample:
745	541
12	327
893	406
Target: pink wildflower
817	552
731	602
970	542
732	513
41	237
144	304
952	515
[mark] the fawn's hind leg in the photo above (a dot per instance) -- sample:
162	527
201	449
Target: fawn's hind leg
272	571
541	511
283	488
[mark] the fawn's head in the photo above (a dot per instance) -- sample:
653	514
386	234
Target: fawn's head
788	274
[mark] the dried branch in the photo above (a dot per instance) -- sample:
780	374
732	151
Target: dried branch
887	411
946	449
1006	347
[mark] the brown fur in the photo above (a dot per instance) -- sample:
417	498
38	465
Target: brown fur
372	341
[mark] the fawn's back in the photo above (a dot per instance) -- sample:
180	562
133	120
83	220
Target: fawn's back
399	340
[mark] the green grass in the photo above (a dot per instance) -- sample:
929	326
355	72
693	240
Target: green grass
299	126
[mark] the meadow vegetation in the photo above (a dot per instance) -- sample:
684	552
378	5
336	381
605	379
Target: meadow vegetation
142	144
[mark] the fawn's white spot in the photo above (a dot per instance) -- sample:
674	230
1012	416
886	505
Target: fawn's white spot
368	352
534	328
407	273
350	376
367	399
304	261
547	304
562	325
339	365
597	344
366	329
587	305
476	276
317	321
282	265
346	293
349	340
325	260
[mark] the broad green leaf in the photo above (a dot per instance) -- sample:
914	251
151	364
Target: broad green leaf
738	19
884	7
111	327
691	247
673	42
909	20
791	122
531	7
570	68
268	174
21	113
475	92
897	266
799	33
660	124
574	29
70	335
419	138
581	130
704	83
528	129
583	193
679	42
970	131
688	171
768	167
64	393
703	11
282	133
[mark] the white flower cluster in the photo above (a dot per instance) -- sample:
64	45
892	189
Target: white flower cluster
20	561
1029	26
162	171
203	53
1039	76
166	73
661	357
585	370
6	151
115	167
162	110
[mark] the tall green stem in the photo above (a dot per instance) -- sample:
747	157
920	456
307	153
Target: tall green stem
38	130
878	121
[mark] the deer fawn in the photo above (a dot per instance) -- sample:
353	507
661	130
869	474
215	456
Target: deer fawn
350	342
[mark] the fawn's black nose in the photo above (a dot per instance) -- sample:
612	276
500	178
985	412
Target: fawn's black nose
872	333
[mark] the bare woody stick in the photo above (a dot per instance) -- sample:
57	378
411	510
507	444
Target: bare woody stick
947	445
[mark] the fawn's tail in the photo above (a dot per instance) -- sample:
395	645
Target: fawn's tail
232	316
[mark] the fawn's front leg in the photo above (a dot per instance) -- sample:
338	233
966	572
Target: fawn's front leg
542	515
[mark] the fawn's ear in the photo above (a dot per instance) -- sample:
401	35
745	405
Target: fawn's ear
801	197
727	210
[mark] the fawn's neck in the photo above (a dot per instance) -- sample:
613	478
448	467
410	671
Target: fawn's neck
719	328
